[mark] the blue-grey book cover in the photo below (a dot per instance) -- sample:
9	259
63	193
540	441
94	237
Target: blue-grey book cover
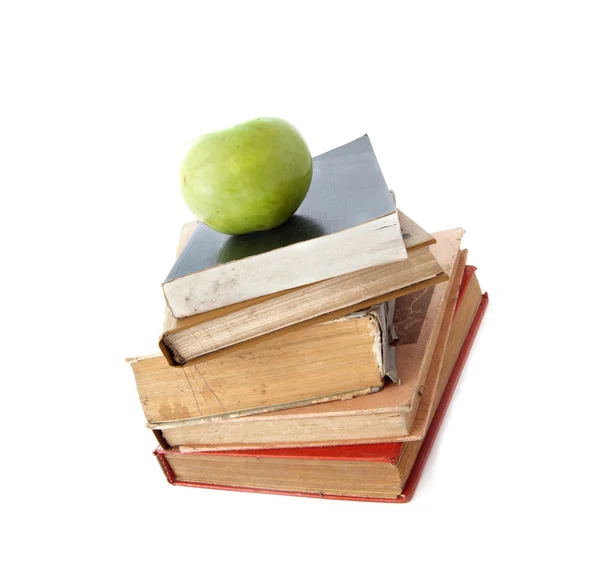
347	189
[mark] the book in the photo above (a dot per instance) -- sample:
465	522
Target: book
337	359
384	472
347	223
381	417
233	326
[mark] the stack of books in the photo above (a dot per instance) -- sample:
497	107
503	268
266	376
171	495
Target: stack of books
317	358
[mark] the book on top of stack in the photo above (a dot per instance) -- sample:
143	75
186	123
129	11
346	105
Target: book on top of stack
316	358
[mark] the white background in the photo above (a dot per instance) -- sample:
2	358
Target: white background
484	115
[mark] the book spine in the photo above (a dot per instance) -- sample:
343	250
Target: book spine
164	465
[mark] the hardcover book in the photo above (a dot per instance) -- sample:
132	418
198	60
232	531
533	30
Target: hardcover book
347	223
279	314
385	472
385	416
337	359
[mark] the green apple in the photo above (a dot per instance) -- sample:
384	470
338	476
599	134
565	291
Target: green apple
247	178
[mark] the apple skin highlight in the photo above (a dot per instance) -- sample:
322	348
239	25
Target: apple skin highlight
250	177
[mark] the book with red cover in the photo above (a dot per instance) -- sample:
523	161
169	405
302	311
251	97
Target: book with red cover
383	452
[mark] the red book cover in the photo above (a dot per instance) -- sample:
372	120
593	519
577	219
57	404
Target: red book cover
388	452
